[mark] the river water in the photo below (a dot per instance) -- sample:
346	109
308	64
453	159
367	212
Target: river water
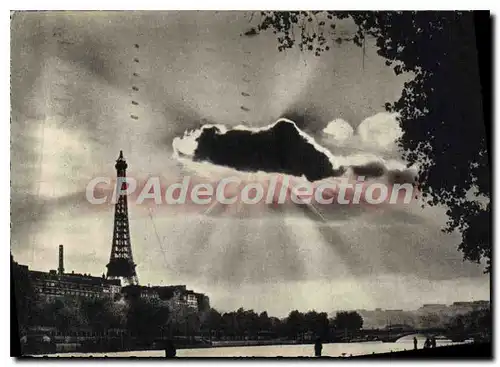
303	350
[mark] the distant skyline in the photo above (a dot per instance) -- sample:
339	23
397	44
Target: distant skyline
330	312
72	90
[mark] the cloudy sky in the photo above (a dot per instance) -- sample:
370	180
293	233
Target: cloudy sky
74	77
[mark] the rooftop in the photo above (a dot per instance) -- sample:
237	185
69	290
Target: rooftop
72	277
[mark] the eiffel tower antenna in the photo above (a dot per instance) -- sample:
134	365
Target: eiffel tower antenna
121	263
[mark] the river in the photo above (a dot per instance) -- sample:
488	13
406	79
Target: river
302	350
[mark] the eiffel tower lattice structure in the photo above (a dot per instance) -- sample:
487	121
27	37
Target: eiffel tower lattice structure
121	263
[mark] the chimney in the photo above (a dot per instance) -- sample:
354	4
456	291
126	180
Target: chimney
61	260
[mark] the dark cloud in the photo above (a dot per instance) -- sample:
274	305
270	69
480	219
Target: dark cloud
377	169
373	169
279	149
402	177
251	32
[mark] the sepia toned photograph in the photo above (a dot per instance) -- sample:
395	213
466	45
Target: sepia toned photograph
251	184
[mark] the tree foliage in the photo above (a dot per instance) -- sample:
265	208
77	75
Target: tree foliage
429	321
249	324
185	321
23	294
102	314
146	317
440	108
348	320
295	323
64	314
474	322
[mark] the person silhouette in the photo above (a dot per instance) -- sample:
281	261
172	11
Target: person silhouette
170	351
318	347
415	343
427	343
433	342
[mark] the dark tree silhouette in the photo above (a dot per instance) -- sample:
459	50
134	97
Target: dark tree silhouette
295	324
248	324
23	295
440	108
64	314
101	314
477	322
213	322
317	323
185	321
346	320
430	320
265	323
145	318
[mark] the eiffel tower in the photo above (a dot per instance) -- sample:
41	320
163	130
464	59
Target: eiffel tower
121	263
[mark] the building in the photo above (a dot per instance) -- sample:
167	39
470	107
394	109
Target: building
171	293
481	305
465	307
120	270
52	285
177	296
379	318
436	308
143	292
190	300
55	284
203	302
58	284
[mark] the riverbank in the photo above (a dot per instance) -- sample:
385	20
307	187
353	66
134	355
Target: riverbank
372	350
463	351
61	348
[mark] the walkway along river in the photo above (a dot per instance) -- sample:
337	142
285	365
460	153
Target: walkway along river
301	350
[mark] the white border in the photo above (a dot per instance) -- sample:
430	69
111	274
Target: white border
185	5
253	5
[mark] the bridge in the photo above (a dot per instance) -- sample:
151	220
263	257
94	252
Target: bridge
391	335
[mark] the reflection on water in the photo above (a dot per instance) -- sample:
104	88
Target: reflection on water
303	350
